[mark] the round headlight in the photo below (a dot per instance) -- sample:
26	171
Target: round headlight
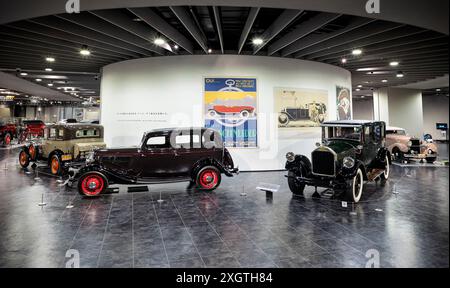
290	156
409	143
349	162
430	151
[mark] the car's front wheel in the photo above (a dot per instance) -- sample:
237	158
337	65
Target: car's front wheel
24	159
92	184
355	189
55	165
387	170
295	186
208	178
7	140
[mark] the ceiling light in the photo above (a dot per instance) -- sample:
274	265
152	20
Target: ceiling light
50	84
384	81
50	59
394	63
159	41
23	74
358	89
48	69
209	50
363	96
400	74
85	51
343	60
137	19
257	41
438	90
175	47
38	80
357	52
360	86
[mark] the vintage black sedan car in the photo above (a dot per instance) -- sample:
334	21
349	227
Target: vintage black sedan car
351	152
166	155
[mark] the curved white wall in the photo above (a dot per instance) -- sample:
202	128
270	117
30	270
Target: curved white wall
134	92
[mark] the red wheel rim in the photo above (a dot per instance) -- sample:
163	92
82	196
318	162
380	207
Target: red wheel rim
92	185
55	165
23	158
32	151
209	179
7	140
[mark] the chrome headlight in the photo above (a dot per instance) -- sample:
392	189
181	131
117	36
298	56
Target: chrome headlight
348	162
409	143
430	151
290	156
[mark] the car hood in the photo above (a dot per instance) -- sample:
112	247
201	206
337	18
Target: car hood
116	152
399	138
341	146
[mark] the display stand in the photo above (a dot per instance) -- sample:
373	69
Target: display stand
36	175
5	168
160	200
269	189
42	204
243	193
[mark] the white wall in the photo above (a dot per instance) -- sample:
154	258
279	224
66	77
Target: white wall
174	86
363	109
435	110
405	110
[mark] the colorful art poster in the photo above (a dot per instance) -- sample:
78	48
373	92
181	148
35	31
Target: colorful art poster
343	103
230	107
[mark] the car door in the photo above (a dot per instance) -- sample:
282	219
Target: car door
369	151
157	157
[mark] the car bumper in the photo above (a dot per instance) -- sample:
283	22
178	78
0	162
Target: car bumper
231	171
420	156
320	182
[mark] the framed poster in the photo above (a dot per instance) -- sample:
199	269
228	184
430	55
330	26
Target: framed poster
230	107
300	111
343	103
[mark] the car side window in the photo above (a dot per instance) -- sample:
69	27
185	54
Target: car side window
377	133
52	133
367	134
156	142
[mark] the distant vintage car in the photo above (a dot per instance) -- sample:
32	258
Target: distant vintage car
8	132
351	153
63	144
403	146
243	111
196	155
30	129
315	112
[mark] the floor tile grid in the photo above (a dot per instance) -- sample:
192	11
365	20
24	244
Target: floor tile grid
104	233
218	235
160	232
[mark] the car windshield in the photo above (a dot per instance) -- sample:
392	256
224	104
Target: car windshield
342	132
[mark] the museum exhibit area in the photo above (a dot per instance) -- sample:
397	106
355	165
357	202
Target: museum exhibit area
223	137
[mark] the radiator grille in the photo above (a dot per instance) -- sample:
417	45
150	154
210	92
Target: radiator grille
323	163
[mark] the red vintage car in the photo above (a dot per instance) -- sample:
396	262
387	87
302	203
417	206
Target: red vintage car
31	128
8	132
244	111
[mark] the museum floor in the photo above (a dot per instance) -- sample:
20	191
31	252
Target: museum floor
406	221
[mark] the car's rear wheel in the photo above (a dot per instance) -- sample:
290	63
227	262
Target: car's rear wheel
7	140
55	165
24	159
355	189
32	150
92	184
295	186
387	170
208	178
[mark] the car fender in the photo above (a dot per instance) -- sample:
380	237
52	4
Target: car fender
428	146
94	172
350	173
301	165
402	147
54	152
207	162
382	153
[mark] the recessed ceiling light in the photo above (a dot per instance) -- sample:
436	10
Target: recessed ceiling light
344	60
23	74
50	84
257	41
38	80
48	69
360	86
85	51
438	90
363	96
357	89
50	59
137	19
384	81
394	63
357	52
159	41
400	74
175	47
209	50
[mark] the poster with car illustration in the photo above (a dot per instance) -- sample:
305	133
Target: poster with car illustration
343	103
230	107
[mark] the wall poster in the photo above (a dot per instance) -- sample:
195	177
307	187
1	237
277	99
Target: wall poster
230	107
343	103
300	111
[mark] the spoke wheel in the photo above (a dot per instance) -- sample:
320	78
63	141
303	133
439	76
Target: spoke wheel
387	170
55	165
355	189
208	178
92	184
24	160
7	140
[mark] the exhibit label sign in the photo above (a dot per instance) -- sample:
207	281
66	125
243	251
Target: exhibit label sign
230	107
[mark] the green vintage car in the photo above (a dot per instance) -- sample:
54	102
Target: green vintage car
351	153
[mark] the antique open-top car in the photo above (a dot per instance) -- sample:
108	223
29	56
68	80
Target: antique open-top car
31	129
315	112
403	147
63	144
8	131
351	152
166	155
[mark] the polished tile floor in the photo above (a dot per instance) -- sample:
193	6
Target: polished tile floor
405	222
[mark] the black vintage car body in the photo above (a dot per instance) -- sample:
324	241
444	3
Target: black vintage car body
351	152
166	155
